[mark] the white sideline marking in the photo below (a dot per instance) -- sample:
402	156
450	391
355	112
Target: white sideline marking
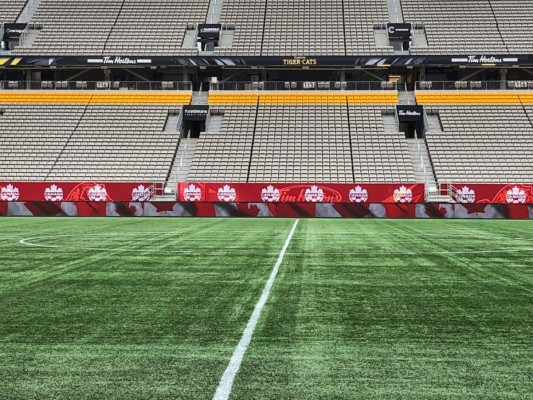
226	382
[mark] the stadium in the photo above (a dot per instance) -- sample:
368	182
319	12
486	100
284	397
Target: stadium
266	199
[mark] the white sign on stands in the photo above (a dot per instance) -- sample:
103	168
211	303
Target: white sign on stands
119	60
484	60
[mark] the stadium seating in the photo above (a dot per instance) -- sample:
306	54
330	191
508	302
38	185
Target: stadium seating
468	97
247	19
302	137
273	27
112	27
114	136
379	156
308	143
515	24
303	97
304	27
118	143
482	143
73	26
268	28
484	136
359	19
10	9
456	26
155	27
85	97
224	155
32	138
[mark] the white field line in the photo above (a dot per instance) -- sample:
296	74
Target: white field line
226	382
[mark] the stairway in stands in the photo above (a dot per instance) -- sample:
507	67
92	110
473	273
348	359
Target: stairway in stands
419	152
421	162
27	13
215	9
187	147
395	11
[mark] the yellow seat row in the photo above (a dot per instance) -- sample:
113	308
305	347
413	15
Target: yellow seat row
302	98
53	97
467	97
243	98
373	98
526	97
45	97
141	98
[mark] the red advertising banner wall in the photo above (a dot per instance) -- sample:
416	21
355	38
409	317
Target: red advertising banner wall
75	191
300	193
493	193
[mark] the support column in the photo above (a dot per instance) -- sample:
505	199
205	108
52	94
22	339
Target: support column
503	78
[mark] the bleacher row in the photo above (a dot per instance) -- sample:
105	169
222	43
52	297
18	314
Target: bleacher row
273	27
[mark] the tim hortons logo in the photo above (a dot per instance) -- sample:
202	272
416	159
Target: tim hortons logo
141	193
227	194
97	193
466	195
270	194
516	196
403	195
192	193
306	194
9	193
53	193
119	60
410	113
484	60
358	195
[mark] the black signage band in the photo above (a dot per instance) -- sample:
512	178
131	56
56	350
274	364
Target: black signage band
320	61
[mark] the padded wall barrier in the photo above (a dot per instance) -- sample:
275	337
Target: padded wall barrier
280	210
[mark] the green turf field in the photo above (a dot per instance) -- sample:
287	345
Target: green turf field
360	309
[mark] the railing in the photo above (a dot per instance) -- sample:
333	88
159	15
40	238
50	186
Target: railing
23	36
92	85
475	85
422	163
307	85
453	192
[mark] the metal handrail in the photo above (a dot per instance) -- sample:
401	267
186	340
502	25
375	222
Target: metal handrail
304	85
95	85
475	85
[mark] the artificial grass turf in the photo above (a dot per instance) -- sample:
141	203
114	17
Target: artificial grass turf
153	308
397	310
